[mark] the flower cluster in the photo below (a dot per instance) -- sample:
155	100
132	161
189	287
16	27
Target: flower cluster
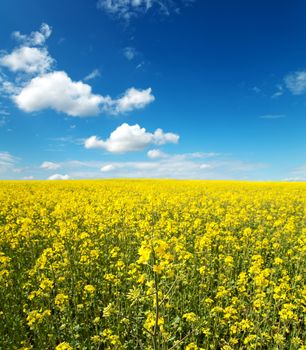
142	264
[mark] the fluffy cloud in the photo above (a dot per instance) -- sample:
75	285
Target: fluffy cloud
127	9
156	153
296	82
28	59
129	138
59	177
133	99
35	38
50	165
57	91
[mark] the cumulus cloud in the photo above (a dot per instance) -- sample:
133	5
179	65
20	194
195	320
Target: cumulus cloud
28	60
59	177
57	91
129	138
35	38
156	153
133	99
296	82
50	165
126	9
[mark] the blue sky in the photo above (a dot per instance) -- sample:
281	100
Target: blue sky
144	88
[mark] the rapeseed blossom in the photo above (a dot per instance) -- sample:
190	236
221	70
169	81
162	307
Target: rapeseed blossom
142	264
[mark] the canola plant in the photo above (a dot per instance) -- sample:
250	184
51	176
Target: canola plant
152	264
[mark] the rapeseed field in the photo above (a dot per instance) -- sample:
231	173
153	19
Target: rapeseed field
152	264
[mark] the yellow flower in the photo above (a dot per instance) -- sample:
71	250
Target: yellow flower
90	289
144	254
61	301
190	317
64	346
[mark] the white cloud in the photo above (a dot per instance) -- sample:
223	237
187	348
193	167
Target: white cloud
297	174
296	82
94	74
295	179
279	92
133	99
27	59
35	38
8	88
59	177
108	167
50	165
156	153
7	161
129	53
205	166
6	158
182	166
127	9
180	169
57	91
129	138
